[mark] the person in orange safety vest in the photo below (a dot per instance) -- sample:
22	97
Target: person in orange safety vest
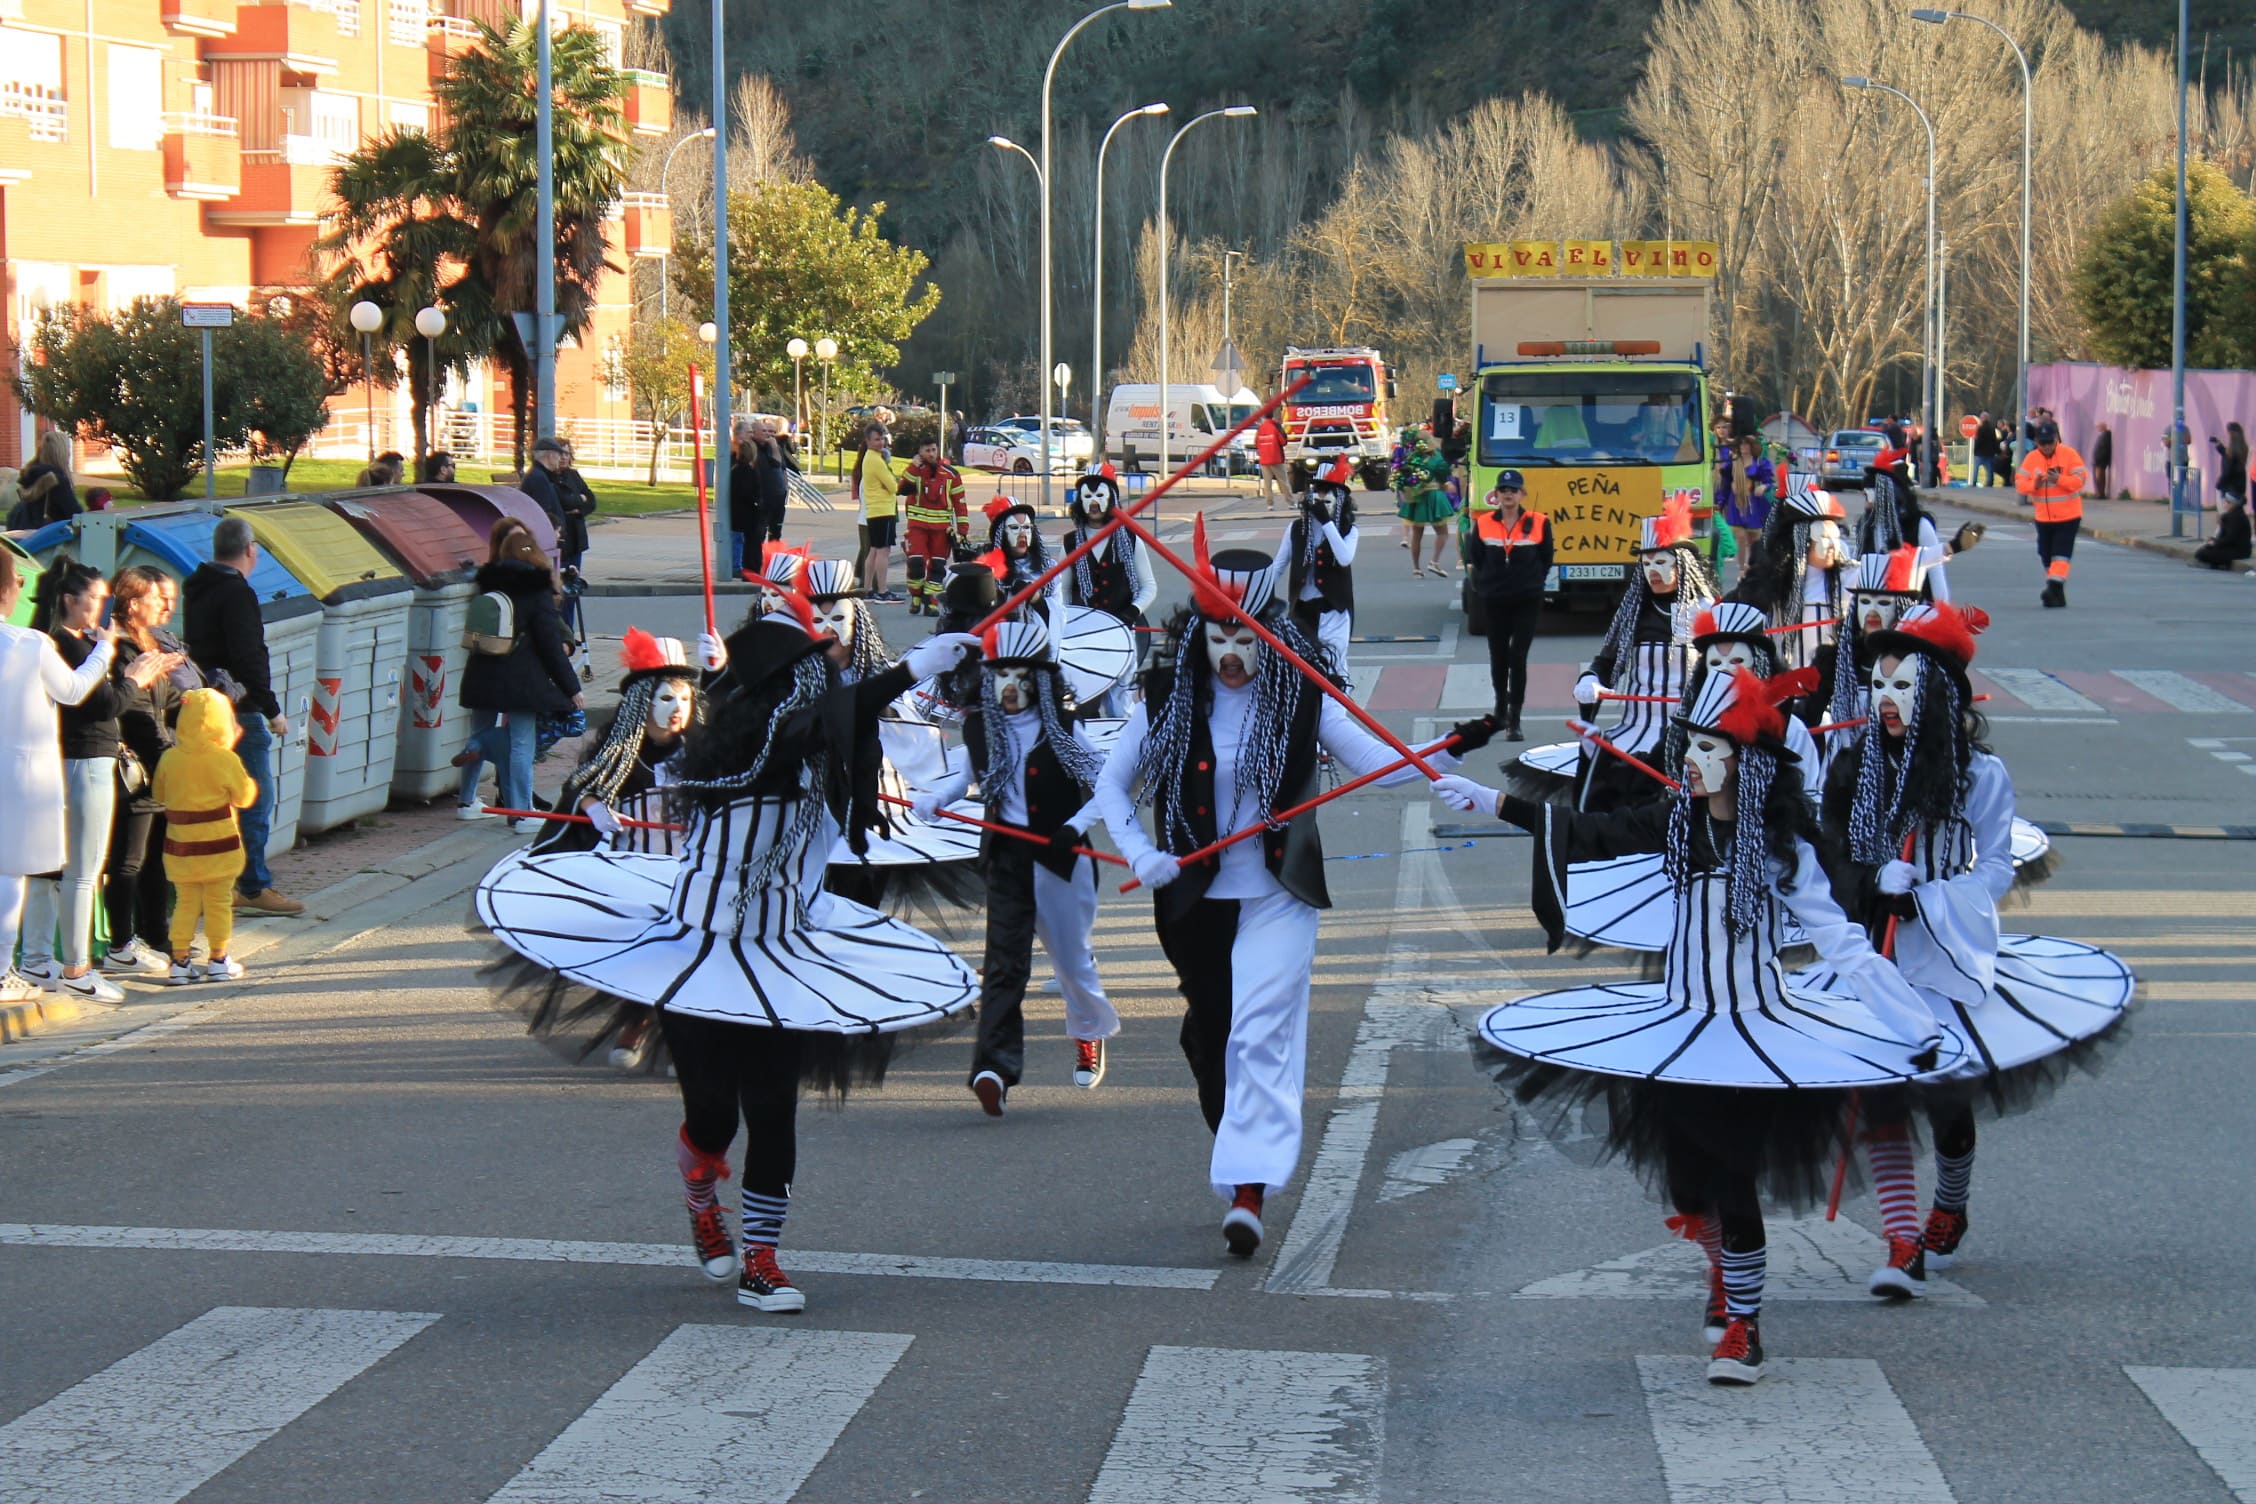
2053	477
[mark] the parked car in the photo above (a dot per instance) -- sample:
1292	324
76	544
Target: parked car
1069	434
1849	453
1013	451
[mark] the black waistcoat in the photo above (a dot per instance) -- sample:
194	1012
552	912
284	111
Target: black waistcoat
1111	585
1294	855
1053	795
1334	580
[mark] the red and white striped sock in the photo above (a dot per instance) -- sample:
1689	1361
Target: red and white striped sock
1894	1180
701	1173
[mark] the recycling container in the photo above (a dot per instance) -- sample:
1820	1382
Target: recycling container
176	540
28	571
360	655
480	507
438	553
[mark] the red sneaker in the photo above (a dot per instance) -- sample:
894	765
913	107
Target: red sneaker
708	1234
1241	1225
1738	1358
1088	1062
1904	1276
764	1286
1944	1230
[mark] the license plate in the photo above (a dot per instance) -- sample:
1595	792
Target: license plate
1591	571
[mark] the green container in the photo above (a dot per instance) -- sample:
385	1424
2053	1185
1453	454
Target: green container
27	570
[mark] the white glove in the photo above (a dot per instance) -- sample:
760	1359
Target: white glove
939	653
1898	877
711	652
600	816
1588	690
1156	869
925	804
1464	794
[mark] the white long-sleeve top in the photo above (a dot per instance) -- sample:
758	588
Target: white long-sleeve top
1242	872
34	679
1343	554
1004	792
1950	947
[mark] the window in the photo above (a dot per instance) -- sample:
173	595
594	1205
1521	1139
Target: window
1332	385
31	81
1591	418
336	121
409	117
136	98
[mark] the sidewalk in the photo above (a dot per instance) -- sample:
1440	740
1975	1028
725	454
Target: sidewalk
2129	524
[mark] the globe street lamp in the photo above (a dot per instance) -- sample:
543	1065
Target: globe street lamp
1049	74
1928	375
797	350
826	351
368	318
430	323
1232	112
1096	295
2028	145
664	171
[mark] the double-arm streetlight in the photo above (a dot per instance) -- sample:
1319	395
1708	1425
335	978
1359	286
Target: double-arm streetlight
1096	296
1230	112
1042	168
2028	146
1928	376
665	176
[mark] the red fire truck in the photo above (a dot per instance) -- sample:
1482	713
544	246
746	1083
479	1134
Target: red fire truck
1342	410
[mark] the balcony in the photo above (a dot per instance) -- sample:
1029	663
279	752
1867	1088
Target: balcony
284	186
649	224
406	22
447	38
203	157
344	13
191	18
650	102
43	113
300	38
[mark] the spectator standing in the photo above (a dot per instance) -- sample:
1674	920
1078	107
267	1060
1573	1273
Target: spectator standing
743	504
507	693
578	504
227	635
152	926
538	482
148	706
34	681
877	488
774	462
2102	462
2232	465
1509	556
202	781
1986	470
1269	456
1754	488
939	521
45	484
2052	476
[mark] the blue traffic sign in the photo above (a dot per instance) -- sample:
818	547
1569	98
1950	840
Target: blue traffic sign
1446	381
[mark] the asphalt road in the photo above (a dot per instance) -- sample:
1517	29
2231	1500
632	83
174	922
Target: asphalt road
345	1234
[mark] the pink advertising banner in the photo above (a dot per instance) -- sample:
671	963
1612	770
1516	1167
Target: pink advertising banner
2135	406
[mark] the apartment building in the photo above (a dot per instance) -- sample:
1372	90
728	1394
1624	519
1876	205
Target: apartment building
184	147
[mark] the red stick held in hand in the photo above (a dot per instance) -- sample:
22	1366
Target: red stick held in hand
563	819
1007	830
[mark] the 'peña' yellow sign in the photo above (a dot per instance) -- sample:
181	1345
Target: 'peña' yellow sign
1495	260
1595	512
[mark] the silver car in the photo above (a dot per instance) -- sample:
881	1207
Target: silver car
1850	452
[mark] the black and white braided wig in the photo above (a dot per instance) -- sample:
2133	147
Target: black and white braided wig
1892	514
1850	680
1278	696
1033	562
603	773
1079	765
1696	586
748	738
1120	549
1922	779
1312	526
867	655
1769	816
1786	543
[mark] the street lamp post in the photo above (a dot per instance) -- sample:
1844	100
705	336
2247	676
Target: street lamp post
709	333
1096	284
1233	112
544	239
1049	75
826	351
2181	442
797	350
2028	146
430	323
368	318
665	175
1927	401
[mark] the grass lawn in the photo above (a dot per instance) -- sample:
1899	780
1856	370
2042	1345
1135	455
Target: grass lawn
619	497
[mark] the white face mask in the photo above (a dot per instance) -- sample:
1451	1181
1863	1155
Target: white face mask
1877	613
670	707
1711	760
1233	639
1014	689
1824	544
1017	534
771	601
836	617
1096	505
1895	685
1722	657
1660	571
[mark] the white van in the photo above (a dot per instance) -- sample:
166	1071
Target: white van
1195	415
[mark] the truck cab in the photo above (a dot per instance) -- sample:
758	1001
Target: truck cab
1342	410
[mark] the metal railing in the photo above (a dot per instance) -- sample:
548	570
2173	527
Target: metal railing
197	123
405	22
297	151
45	109
346	13
458	28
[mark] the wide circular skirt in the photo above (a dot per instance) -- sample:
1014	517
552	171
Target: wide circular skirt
1095	651
604	920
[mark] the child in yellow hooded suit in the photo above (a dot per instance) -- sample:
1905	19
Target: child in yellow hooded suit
201	783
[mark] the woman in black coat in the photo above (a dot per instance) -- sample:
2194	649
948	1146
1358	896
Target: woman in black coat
146	714
507	693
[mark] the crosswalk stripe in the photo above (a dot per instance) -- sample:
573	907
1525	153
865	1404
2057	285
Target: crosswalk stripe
2039	690
2117	693
2215	1410
1210	1425
714	1412
1468	686
2181	693
1814	1428
162	1421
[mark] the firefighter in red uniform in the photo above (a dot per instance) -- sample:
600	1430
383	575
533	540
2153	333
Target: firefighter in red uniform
932	496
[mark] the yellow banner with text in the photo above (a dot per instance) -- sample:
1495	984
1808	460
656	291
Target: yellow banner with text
1498	260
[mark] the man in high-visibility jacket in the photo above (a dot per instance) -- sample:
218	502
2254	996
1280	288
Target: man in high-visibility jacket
932	496
2053	477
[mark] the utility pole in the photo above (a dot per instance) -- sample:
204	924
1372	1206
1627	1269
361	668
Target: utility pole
544	241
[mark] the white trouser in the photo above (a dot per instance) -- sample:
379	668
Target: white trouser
1065	912
1333	628
67	907
11	918
1267	1061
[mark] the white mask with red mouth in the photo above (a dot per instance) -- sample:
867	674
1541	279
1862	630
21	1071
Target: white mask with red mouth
1710	759
835	617
1876	611
1232	640
1722	657
1824	544
771	600
671	704
1895	692
1661	570
1016	534
1096	505
1014	688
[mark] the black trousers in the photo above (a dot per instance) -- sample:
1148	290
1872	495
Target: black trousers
731	1072
1010	961
2057	540
134	862
1198	945
1696	1189
1511	632
771	518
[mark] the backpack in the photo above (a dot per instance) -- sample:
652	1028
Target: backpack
491	624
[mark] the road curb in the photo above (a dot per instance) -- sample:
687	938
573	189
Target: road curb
21	1020
2176	548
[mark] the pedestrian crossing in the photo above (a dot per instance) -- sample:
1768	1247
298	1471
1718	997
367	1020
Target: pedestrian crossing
2067	693
749	1409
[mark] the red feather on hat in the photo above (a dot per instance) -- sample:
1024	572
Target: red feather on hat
640	651
1704	625
1675	523
1754	714
1948	629
802	612
994	509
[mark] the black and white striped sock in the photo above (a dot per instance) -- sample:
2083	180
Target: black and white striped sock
1954	1178
1743	1280
763	1218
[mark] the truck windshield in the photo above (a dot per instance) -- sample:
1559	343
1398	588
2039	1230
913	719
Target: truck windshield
1330	385
1590	418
